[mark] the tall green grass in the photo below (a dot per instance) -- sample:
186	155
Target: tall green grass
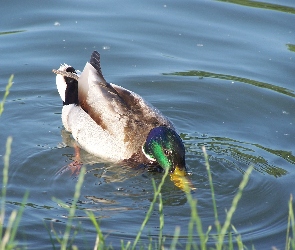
6	93
8	233
290	240
223	237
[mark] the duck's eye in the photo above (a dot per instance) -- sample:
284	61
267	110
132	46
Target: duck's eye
166	152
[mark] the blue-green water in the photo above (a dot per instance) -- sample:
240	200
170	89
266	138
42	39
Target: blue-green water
222	71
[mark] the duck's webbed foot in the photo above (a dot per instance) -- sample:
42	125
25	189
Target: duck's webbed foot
74	166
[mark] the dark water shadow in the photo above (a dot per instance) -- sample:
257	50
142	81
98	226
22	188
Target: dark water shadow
261	5
11	32
202	74
239	155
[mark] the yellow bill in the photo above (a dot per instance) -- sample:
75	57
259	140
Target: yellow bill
180	180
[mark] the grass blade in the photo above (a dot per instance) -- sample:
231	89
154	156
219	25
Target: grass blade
148	215
161	219
72	210
195	219
175	238
290	242
4	182
217	223
233	208
18	217
100	242
8	86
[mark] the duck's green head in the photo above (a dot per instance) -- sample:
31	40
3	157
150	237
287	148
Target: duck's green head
165	146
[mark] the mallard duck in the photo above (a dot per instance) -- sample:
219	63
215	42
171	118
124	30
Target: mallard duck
114	123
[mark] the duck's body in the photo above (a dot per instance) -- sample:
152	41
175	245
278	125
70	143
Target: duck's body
114	127
114	123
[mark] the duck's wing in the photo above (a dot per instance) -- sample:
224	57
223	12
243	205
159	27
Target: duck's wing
140	118
118	111
97	97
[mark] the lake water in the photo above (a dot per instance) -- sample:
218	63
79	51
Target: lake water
222	71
